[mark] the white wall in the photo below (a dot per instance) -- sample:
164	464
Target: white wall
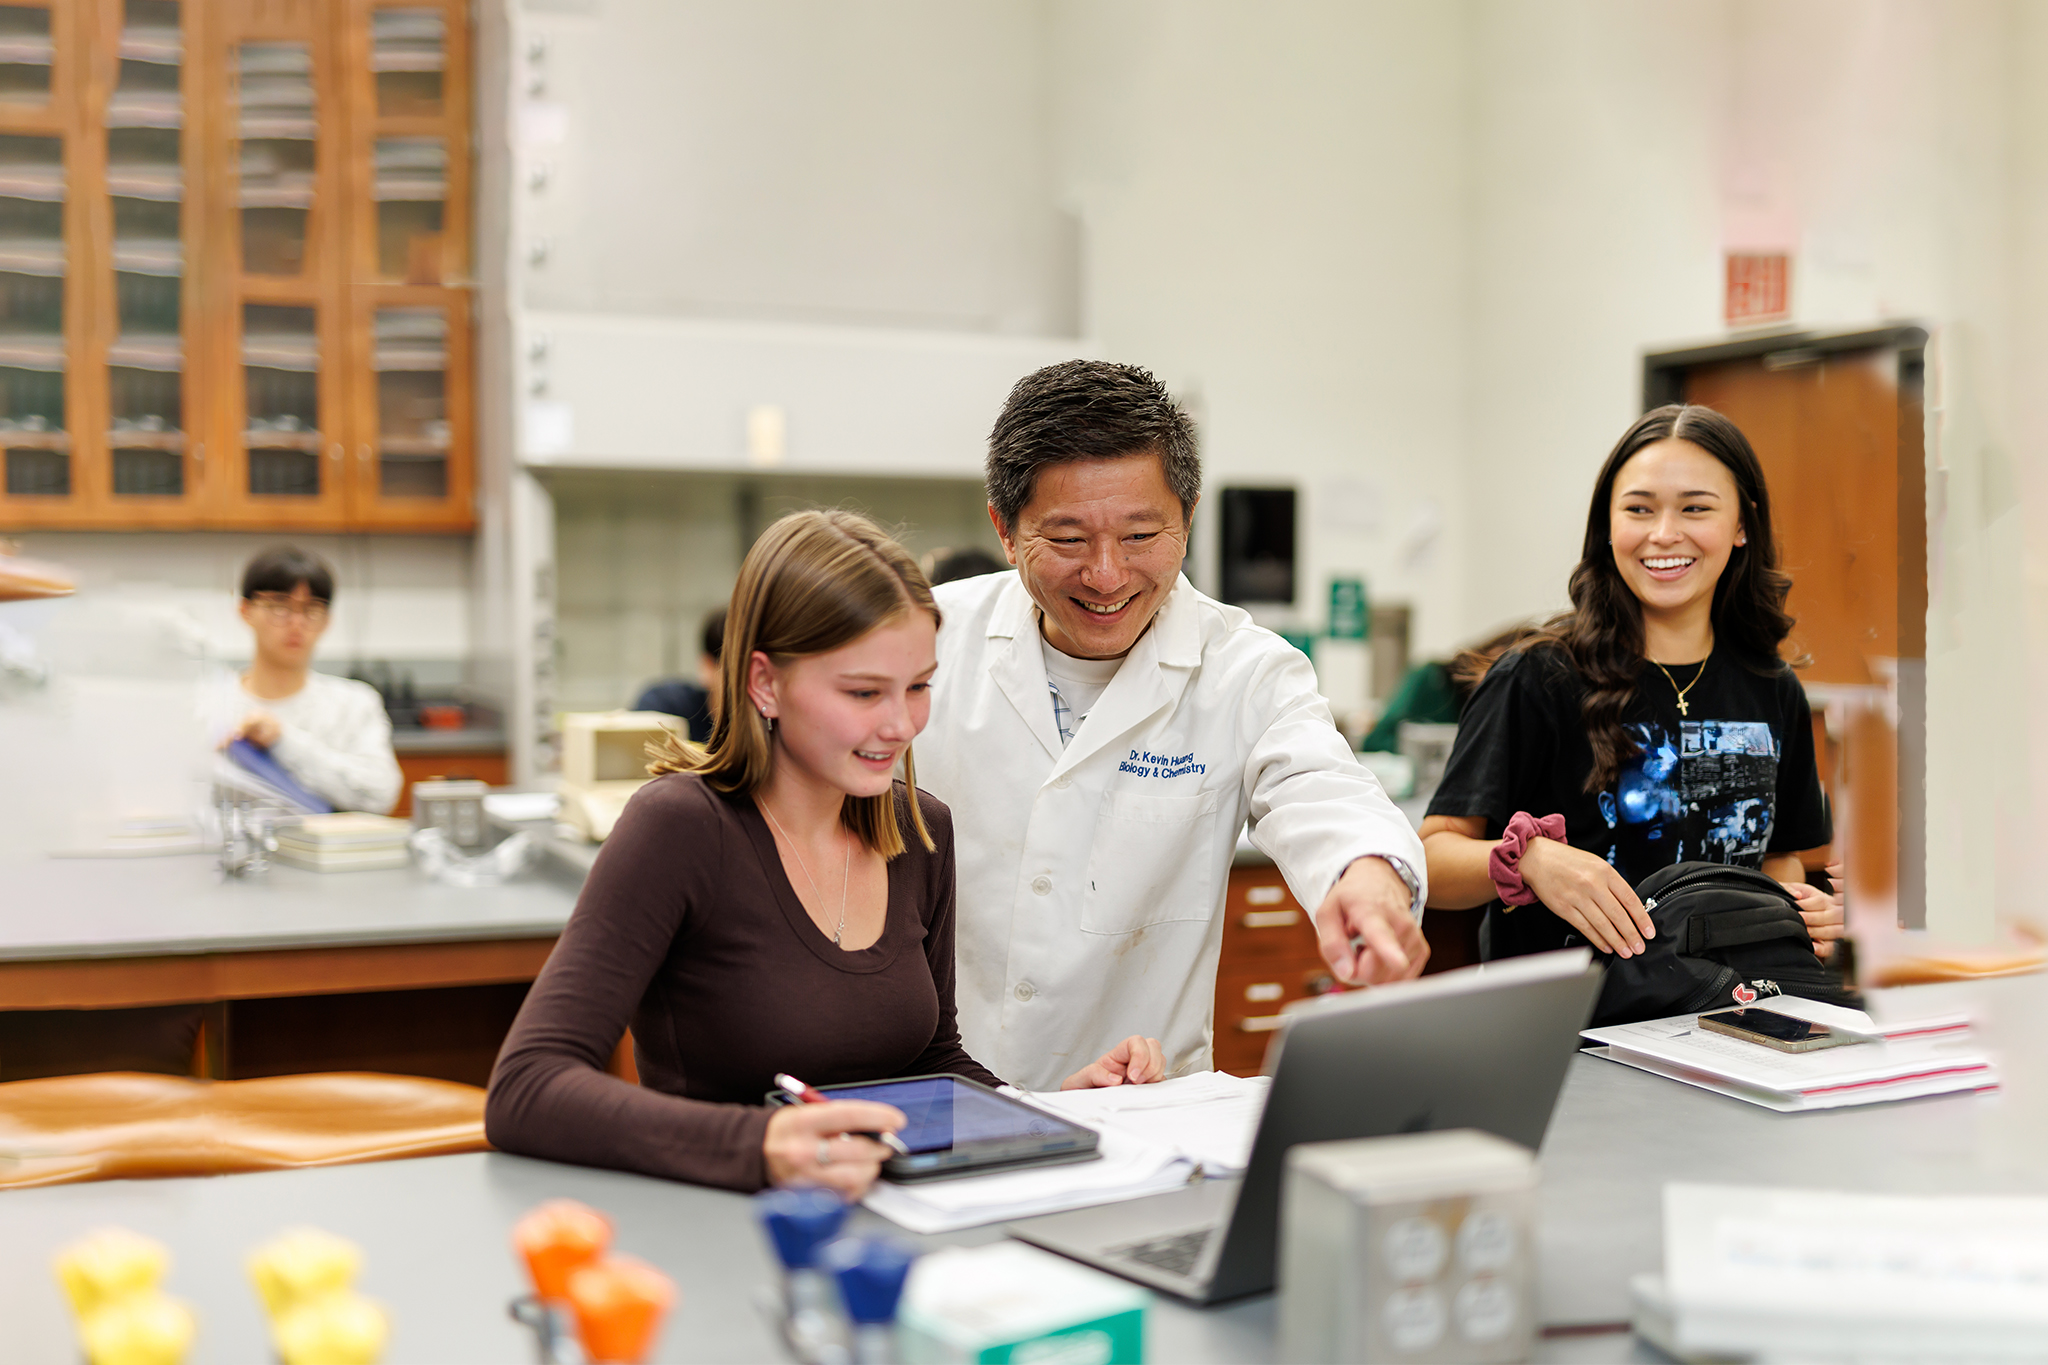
1273	201
873	162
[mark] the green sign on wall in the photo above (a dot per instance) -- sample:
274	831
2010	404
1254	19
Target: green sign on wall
1350	615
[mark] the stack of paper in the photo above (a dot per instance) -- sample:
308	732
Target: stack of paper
1814	1275
1210	1117
1901	1059
1154	1138
345	842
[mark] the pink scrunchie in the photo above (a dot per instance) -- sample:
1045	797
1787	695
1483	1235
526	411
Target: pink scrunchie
1504	864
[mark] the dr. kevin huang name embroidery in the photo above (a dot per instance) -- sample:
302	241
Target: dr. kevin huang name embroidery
1145	763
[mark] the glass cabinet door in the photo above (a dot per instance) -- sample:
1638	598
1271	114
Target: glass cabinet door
277	128
413	466
411	251
33	350
147	433
282	279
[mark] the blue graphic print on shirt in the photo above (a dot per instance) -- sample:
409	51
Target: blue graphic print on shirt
1706	792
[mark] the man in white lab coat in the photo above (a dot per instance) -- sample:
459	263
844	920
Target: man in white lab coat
1102	731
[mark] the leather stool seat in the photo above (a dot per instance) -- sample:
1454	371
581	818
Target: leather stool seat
123	1125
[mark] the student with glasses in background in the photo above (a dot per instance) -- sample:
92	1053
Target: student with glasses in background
331	734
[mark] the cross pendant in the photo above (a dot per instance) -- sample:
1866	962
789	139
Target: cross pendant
1681	707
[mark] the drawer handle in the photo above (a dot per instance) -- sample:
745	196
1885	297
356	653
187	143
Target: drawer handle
1270	919
1264	990
1260	1023
1265	895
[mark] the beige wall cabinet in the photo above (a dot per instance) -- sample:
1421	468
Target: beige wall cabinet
234	264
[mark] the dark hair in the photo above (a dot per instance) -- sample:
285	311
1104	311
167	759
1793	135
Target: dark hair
1602	635
714	633
281	568
952	565
1087	410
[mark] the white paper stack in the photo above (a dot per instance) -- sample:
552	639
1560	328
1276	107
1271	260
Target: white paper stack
1901	1059
1153	1138
1210	1117
1822	1276
347	841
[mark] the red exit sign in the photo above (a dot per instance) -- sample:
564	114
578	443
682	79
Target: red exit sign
1759	287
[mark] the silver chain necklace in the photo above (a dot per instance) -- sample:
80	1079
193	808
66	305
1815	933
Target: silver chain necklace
845	876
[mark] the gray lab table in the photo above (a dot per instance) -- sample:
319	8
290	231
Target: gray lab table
83	933
435	1231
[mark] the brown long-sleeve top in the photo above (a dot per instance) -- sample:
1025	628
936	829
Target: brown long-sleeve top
689	930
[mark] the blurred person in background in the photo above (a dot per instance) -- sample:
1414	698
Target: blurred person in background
696	701
330	734
949	566
1435	691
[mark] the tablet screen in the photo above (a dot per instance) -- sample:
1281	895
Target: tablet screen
943	1113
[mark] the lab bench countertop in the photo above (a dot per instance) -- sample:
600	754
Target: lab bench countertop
71	908
435	1231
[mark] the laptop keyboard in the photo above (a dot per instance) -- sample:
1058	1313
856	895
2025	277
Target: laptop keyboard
1175	1255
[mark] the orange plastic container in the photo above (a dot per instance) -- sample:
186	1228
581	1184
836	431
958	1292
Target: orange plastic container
619	1303
556	1238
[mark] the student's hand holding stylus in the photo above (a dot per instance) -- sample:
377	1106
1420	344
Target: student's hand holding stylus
1581	889
820	1144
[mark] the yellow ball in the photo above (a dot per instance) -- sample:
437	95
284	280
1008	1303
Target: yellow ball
109	1264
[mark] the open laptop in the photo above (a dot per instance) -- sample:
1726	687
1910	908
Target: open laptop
1483	1047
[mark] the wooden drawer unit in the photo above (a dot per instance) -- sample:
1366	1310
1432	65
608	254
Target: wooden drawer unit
1270	957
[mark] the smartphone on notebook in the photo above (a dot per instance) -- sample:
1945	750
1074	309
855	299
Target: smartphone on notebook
959	1127
1774	1030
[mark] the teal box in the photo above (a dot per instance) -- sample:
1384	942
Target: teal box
1008	1302
1350	611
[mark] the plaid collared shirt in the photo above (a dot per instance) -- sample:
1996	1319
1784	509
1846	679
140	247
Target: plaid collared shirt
1062	714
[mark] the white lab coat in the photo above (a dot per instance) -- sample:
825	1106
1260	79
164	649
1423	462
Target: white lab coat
1092	877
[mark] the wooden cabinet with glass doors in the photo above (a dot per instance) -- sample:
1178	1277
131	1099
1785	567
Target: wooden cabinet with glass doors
234	264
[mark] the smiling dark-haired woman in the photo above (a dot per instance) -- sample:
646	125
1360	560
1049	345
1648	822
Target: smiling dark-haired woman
1653	723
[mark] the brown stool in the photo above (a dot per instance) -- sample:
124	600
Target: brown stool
123	1125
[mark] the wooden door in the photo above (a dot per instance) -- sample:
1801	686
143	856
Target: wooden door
1832	435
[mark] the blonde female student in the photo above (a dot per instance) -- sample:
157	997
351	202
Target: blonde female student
1654	723
774	902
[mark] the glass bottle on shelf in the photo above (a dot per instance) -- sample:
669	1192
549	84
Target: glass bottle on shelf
276	124
32	352
26	56
411	360
145	178
281	373
407	55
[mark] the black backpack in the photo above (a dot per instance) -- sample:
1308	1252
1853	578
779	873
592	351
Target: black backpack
1725	936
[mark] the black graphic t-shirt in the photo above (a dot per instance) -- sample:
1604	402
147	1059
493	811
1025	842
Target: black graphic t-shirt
1733	780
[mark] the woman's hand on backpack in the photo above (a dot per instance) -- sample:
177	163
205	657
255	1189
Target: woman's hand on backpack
1581	889
1825	921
